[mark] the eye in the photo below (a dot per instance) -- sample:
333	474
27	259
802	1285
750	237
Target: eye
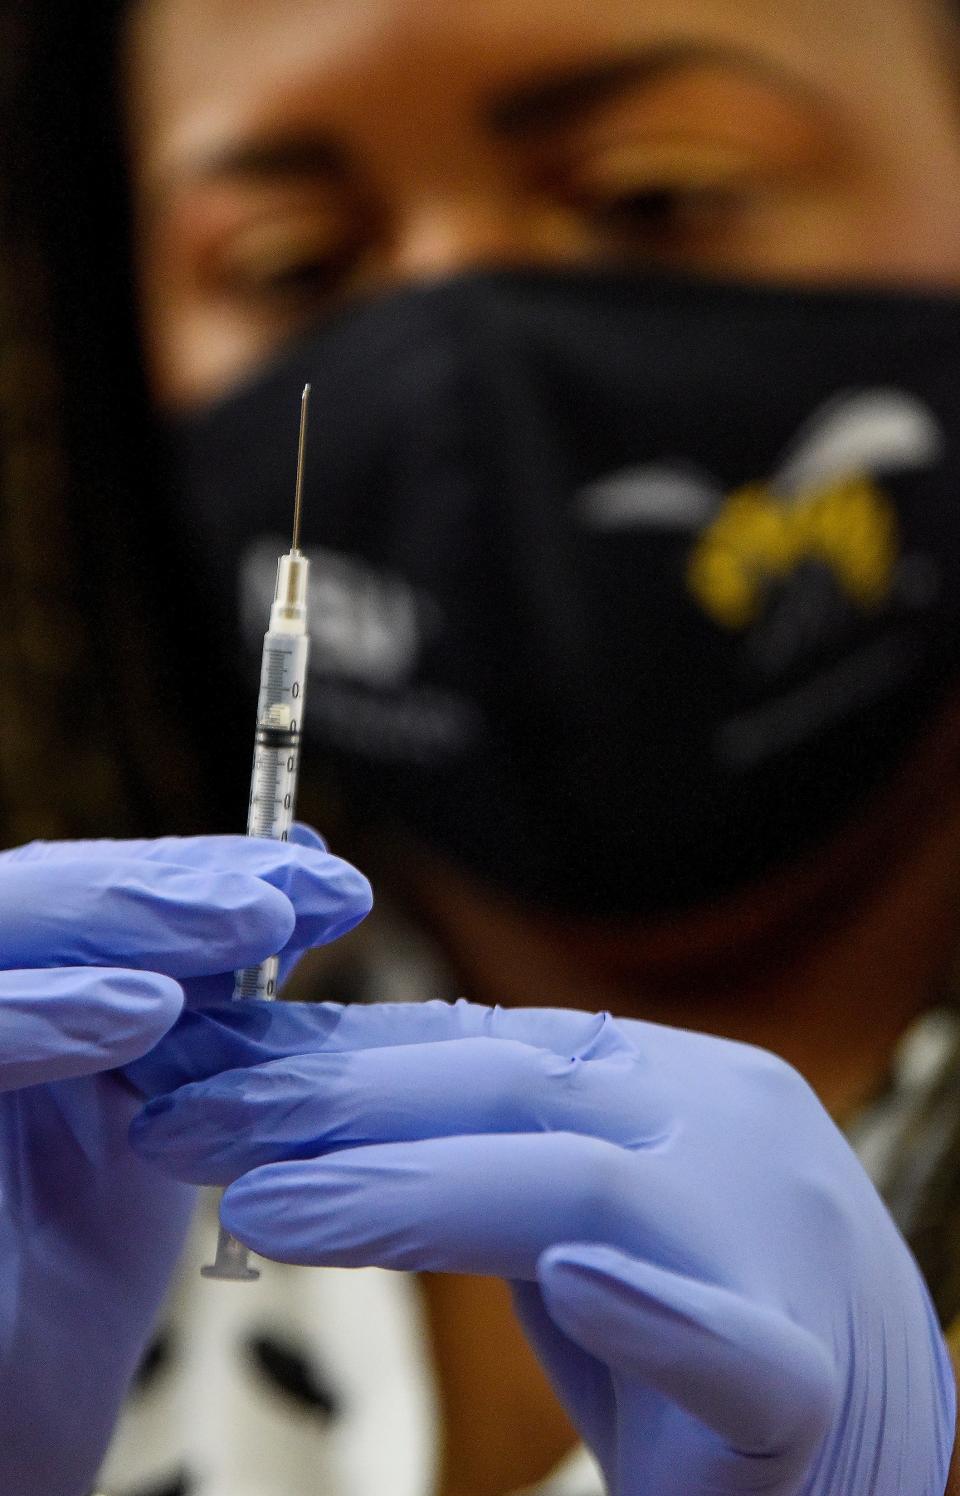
289	259
669	213
666	194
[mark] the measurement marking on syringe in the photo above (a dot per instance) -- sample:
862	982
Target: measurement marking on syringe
275	669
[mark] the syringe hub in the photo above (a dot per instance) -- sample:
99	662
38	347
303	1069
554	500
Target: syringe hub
289	612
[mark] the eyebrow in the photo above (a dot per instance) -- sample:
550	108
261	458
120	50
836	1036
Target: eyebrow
561	99
279	156
545	104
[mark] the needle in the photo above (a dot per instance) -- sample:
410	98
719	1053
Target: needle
301	462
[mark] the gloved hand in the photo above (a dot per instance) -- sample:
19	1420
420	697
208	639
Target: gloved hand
704	1269
99	944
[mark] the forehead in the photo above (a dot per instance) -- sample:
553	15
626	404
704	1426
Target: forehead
188	52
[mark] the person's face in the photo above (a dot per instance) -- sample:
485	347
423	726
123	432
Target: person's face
288	154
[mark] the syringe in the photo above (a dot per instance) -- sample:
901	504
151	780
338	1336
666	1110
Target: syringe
276	766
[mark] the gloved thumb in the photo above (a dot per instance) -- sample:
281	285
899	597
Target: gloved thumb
302	835
761	1383
63	1022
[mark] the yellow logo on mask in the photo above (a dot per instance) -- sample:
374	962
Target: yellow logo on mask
758	539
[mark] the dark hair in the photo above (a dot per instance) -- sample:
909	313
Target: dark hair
99	727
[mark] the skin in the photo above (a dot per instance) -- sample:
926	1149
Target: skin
288	155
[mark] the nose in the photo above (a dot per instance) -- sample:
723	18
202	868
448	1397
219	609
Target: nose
454	233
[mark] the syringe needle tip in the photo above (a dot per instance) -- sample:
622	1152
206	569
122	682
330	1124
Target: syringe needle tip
301	463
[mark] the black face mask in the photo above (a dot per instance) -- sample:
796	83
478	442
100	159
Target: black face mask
625	591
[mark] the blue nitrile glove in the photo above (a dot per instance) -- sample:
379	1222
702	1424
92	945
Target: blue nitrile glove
710	1279
99	944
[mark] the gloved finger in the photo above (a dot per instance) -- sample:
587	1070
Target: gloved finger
298	1107
236	1035
73	1021
213	990
329	896
488	1205
182	851
302	835
761	1383
582	1382
149	916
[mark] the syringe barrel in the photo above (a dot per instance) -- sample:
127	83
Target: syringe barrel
276	758
276	768
283	680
